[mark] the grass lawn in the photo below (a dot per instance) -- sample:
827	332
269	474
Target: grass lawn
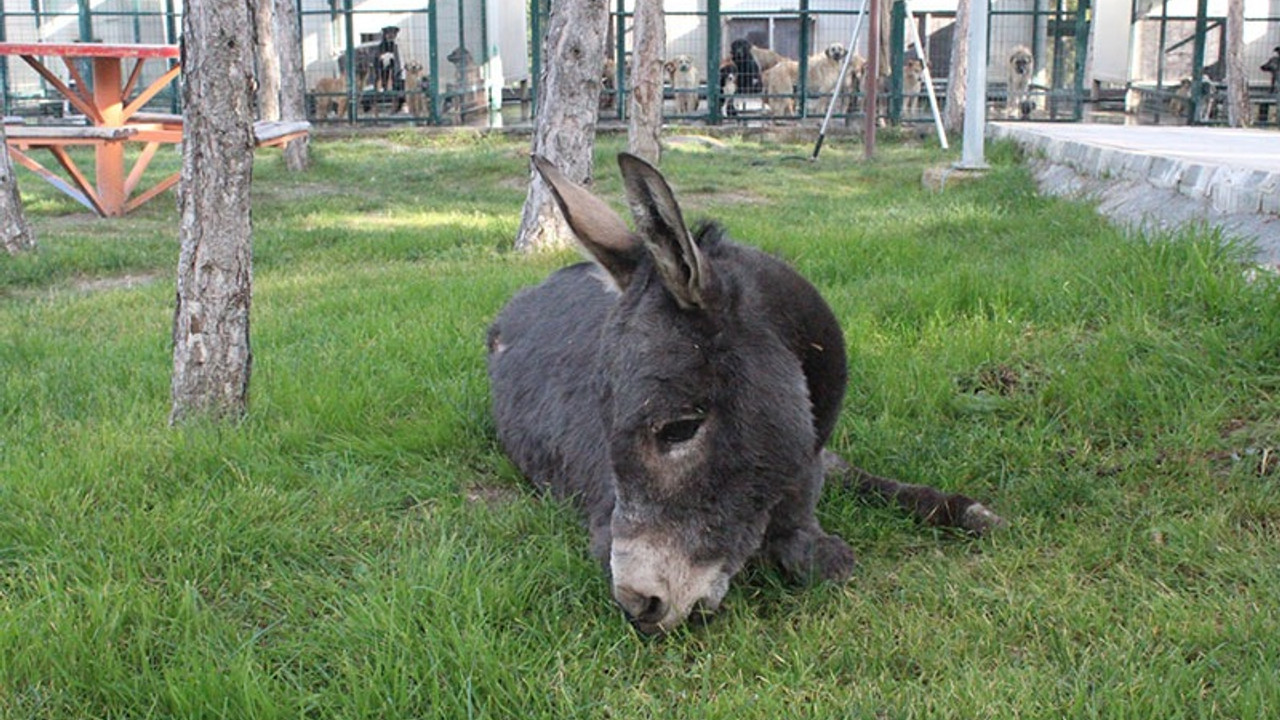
359	548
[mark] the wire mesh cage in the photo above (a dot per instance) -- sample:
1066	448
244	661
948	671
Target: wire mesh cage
142	22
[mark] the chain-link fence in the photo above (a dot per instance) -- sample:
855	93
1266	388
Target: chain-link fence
63	21
441	62
1180	73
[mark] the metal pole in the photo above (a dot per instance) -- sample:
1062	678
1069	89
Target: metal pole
873	82
844	68
975	90
1198	98
928	76
713	61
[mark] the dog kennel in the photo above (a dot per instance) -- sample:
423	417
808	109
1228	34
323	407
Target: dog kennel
460	54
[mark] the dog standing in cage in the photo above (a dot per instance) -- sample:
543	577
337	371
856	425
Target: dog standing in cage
416	88
912	85
1021	68
1272	66
684	81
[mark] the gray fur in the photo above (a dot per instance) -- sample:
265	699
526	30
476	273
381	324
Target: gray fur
683	405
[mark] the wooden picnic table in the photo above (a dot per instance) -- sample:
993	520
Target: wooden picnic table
110	103
115	116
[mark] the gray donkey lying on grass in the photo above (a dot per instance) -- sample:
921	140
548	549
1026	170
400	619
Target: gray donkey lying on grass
680	390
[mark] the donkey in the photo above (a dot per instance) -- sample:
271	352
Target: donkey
680	389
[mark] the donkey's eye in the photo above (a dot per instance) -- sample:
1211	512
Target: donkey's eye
679	431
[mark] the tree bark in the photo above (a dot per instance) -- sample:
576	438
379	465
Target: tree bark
953	119
293	100
1237	80
264	18
644	127
211	355
565	129
16	234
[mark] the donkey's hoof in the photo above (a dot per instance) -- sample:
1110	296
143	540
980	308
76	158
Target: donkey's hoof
978	520
833	560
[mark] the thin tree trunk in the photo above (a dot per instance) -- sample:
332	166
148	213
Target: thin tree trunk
568	98
644	127
16	234
264	18
1237	81
293	100
211	356
953	119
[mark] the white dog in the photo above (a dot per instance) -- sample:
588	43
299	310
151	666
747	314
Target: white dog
824	69
684	80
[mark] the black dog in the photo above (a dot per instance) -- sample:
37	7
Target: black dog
387	63
379	65
1273	66
745	70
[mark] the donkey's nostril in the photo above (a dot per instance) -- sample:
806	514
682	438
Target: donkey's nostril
646	611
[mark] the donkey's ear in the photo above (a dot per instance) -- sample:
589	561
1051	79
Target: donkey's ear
683	269
600	230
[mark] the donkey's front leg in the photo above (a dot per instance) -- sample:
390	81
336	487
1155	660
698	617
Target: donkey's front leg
798	543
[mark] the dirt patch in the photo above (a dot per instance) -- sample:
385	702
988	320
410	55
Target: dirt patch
491	495
127	281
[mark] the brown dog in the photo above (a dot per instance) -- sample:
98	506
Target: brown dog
1021	68
415	89
912	85
331	93
467	93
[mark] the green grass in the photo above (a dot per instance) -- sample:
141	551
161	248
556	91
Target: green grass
358	547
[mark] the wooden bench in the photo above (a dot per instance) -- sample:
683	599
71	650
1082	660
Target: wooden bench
50	135
278	133
112	191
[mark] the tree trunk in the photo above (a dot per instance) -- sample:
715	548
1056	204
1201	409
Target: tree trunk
15	234
211	357
568	98
1237	80
264	18
644	127
953	119
293	99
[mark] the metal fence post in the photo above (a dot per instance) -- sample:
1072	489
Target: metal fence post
1197	60
897	57
354	84
806	49
713	61
433	63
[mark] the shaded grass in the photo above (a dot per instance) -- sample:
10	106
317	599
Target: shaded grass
1113	395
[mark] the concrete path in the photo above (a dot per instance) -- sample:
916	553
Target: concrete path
1162	176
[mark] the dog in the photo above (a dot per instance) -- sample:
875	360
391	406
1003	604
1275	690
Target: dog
1181	99
766	58
466	93
746	74
378	66
729	89
1180	103
912	85
684	81
608	84
1021	67
780	87
824	71
1272	66
416	89
331	93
